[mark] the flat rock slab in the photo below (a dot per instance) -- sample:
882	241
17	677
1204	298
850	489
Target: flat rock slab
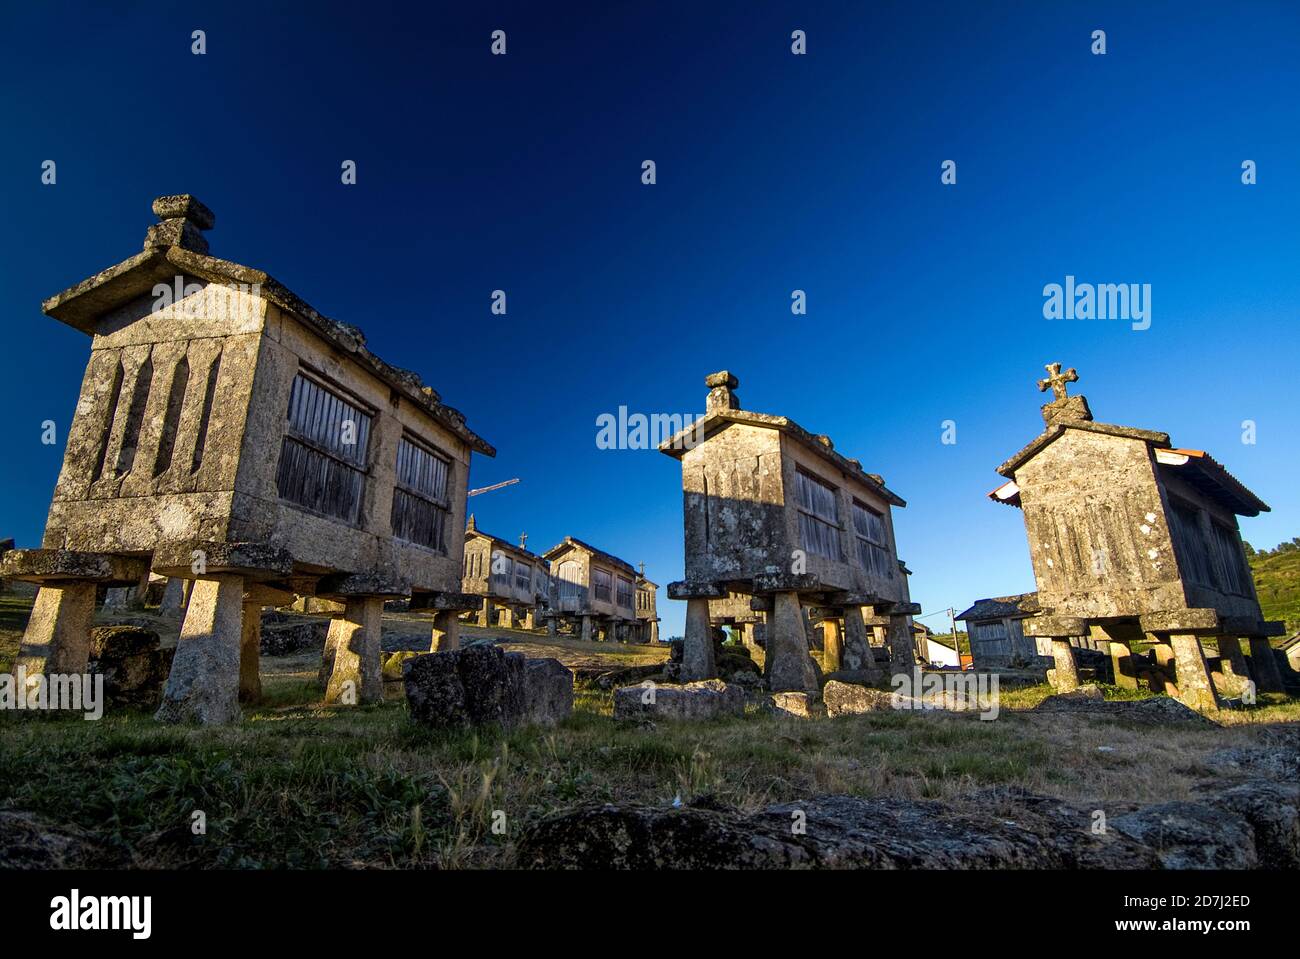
1188	835
705	699
797	705
829	832
849	699
1157	711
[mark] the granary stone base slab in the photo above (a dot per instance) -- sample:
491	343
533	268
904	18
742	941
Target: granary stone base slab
63	566
203	685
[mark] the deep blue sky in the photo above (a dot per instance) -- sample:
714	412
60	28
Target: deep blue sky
775	173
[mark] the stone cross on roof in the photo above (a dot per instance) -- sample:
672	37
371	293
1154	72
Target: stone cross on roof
1056	380
523	540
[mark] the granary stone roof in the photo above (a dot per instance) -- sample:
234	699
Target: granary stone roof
572	543
177	245
1000	607
471	529
725	410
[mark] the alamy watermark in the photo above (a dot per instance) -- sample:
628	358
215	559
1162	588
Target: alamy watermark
73	692
642	431
946	690
1099	301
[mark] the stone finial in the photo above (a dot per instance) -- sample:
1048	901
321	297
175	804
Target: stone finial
721	391
523	540
642	570
471	525
1056	380
182	220
1063	408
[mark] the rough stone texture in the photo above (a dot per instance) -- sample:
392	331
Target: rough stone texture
481	684
548	691
797	705
1191	836
71	566
30	842
1064	676
842	832
706	699
847	699
1271	808
203	685
857	647
444	635
132	664
1157	711
173	598
1195	688
282	636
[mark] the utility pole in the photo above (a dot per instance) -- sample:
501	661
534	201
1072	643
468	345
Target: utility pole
955	644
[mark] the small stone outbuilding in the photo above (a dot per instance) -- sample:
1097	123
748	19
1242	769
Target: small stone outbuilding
1134	539
229	434
593	593
514	583
772	512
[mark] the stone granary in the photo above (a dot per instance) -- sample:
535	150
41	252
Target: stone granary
773	512
229	434
514	584
591	591
1131	538
996	631
647	613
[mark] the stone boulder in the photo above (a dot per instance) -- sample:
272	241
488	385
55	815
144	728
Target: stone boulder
1271	808
1156	711
285	635
133	665
796	705
838	832
706	699
481	684
548	691
850	699
1188	835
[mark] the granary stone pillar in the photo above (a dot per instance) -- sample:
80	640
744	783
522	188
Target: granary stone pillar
173	598
203	685
698	660
1181	630
1268	678
485	614
250	654
446	631
1115	640
857	654
789	663
552	626
1058	630
530	620
507	617
814	640
902	650
57	636
586	629
357	677
1232	659
831	647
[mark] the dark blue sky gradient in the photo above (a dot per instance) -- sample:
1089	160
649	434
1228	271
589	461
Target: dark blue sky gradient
775	173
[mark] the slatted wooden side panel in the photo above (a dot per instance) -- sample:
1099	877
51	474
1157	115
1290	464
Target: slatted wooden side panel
420	500
323	456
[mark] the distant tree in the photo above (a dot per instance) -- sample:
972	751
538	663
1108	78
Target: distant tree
1250	550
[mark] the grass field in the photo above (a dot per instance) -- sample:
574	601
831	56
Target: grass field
303	785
